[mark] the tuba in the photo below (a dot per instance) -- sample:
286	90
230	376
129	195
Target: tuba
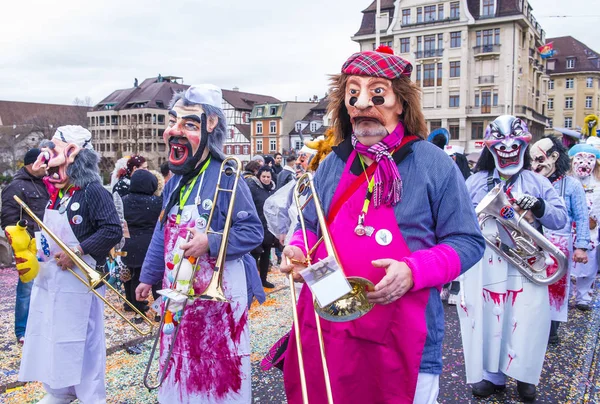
214	290
519	242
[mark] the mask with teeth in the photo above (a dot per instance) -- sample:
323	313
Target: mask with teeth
583	164
543	161
55	157
507	138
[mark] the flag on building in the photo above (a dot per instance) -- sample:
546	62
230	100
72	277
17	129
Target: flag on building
547	51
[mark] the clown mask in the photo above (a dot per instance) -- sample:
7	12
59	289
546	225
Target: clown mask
542	160
507	138
583	164
373	107
187	135
55	157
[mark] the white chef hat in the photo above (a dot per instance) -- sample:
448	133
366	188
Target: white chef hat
205	94
74	134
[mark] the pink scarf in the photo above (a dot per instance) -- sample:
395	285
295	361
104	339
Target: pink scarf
388	184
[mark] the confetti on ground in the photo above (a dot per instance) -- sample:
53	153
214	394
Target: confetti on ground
571	370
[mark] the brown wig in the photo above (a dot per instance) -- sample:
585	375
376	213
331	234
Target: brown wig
409	96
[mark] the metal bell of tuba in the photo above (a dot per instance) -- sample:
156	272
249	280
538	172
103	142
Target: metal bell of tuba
519	242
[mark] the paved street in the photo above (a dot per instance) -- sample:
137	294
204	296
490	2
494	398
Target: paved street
570	373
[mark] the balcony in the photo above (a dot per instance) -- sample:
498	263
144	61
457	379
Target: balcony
431	22
429	53
485	79
530	112
485	110
485	50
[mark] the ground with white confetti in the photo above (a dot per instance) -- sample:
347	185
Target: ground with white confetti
571	371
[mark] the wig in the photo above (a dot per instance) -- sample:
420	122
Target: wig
407	92
84	169
590	123
217	136
119	171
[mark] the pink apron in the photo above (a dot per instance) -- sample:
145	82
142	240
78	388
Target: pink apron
376	358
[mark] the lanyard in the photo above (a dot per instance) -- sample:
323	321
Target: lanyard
184	193
360	228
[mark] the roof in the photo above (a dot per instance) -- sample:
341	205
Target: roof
503	8
245	101
244	130
33	113
152	93
322	105
367	25
586	59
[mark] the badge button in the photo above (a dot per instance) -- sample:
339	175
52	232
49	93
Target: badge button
186	216
75	206
383	237
207	204
77	219
201	222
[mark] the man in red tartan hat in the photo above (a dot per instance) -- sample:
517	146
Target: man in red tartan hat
403	201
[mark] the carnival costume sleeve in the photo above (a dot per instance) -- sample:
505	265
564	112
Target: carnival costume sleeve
555	215
580	213
105	220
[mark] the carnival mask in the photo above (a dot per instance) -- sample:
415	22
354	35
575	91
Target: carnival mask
187	135
542	160
507	138
55	157
583	164
373	106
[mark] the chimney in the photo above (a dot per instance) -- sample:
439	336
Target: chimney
236	89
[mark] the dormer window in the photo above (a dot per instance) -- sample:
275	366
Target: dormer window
298	126
570	63
259	111
488	8
314	126
273	110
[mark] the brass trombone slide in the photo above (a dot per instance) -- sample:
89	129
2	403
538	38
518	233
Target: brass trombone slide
93	277
214	290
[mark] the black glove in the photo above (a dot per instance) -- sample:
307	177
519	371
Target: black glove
535	205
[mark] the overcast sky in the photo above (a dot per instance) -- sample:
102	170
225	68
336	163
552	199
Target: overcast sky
54	51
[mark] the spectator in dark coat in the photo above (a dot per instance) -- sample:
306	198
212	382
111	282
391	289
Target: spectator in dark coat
261	190
142	209
27	184
277	167
289	171
133	164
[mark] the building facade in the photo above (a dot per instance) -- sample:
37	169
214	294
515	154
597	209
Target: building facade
272	123
132	121
311	126
473	59
574	85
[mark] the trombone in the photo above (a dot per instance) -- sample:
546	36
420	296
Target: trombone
349	307
94	279
214	290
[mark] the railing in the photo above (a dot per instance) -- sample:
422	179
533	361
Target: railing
429	53
486	109
432	22
481	49
523	109
486	79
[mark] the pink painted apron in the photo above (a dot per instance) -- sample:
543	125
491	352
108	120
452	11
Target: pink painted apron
376	358
211	357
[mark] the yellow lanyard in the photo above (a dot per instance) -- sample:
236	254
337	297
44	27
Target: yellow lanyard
184	193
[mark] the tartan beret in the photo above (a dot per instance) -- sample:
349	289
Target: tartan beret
379	63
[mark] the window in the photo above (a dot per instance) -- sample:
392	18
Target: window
454	101
259	111
161	119
550	104
429	13
429	44
570	63
455	69
551	85
259	128
497	36
588	101
404	45
440	44
419	14
477	130
569	83
259	148
488	8
440	11
246	117
419	44
488	37
313	126
589	82
486	102
433	125
273	110
550	122
297	144
272	127
418	75
568	122
455	39
455	9
272	145
236	150
428	75
406	16
298	126
476	100
495	99
454	131
227	150
439	74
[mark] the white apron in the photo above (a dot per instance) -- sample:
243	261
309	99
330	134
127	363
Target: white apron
64	340
211	357
505	321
